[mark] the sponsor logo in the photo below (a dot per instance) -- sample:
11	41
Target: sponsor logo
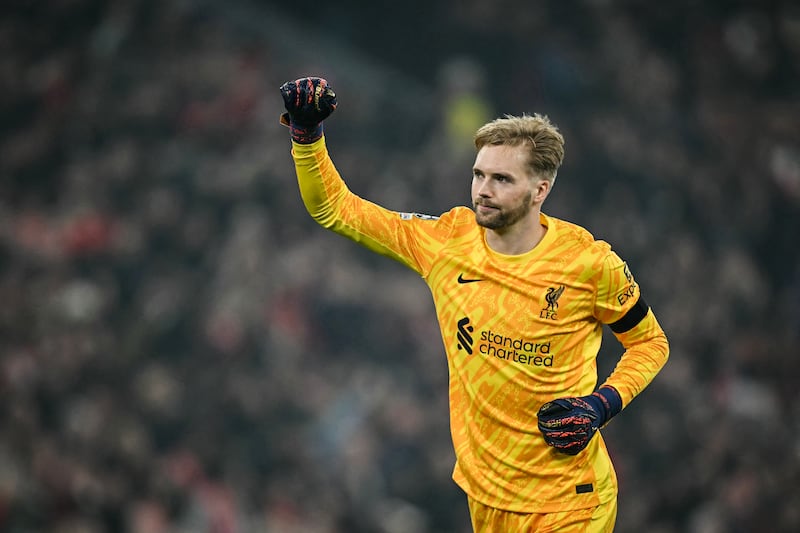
491	344
464	335
550	310
462	280
627	294
421	216
630	290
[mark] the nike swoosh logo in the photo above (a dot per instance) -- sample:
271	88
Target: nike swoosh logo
462	279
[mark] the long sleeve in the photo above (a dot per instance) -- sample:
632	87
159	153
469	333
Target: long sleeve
412	240
619	303
646	352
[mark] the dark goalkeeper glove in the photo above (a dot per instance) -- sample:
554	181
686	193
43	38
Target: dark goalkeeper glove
568	424
308	102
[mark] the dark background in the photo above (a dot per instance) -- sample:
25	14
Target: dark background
184	350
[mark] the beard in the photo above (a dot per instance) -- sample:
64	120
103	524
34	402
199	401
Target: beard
504	218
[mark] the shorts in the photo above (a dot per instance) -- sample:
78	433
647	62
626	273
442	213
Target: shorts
599	519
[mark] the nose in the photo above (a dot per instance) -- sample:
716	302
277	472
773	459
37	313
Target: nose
483	188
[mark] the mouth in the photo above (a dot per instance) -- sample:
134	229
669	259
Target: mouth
485	208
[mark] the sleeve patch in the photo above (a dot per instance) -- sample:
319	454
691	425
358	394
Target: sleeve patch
421	216
634	315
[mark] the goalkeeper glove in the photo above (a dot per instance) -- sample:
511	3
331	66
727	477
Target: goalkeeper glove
308	102
568	424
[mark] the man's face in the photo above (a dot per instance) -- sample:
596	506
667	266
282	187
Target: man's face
502	187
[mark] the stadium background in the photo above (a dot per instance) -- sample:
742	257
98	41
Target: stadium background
183	350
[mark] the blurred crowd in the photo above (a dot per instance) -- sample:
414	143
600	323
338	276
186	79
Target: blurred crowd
183	350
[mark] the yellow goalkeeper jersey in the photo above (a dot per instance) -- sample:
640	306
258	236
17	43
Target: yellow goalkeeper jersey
518	331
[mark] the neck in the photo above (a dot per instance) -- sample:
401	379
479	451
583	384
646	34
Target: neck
518	239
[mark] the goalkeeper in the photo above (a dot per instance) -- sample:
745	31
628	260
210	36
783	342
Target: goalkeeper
521	299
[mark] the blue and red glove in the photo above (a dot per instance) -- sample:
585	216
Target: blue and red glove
308	102
568	424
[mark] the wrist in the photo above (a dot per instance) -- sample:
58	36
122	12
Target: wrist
305	134
606	401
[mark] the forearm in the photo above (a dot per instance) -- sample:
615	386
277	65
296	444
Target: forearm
321	188
646	353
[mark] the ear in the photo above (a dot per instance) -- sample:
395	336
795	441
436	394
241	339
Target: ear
541	189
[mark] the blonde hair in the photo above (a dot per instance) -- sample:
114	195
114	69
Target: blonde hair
545	143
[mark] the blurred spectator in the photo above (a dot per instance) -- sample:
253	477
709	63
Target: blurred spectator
172	359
